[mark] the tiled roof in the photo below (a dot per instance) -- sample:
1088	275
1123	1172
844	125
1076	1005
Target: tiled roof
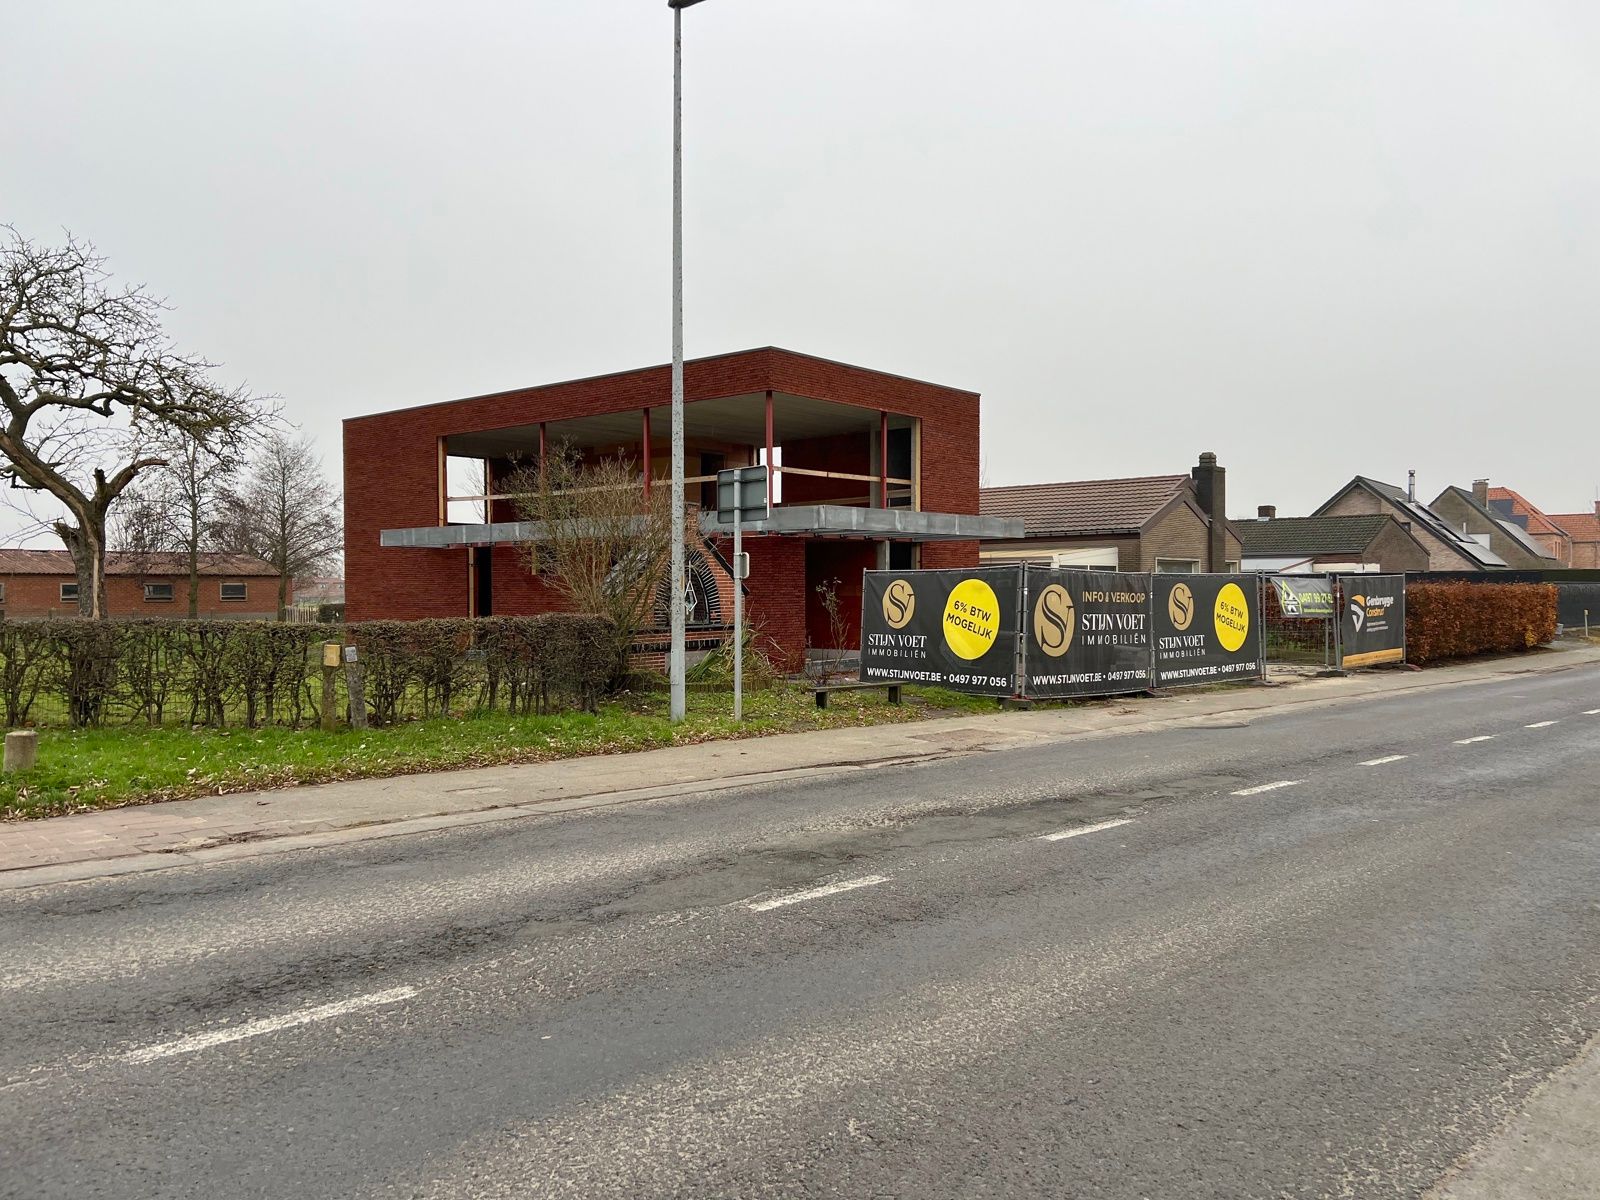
1538	521
1420	514
1310	535
1513	530
1083	506
1581	527
22	561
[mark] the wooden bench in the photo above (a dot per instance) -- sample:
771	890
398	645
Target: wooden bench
822	690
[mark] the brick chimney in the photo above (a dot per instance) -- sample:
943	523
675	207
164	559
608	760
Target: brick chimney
1265	512
1211	490
1480	491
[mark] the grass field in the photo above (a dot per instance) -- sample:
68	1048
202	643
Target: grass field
106	767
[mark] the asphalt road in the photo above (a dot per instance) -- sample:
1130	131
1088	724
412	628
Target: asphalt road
890	982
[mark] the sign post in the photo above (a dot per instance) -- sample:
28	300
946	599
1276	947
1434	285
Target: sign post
741	494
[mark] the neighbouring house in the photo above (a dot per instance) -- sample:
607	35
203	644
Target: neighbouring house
1449	549
868	470
1543	527
43	583
1470	513
1374	542
1152	523
1584	531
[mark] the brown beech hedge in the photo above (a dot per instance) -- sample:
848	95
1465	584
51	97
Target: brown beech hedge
250	673
1455	620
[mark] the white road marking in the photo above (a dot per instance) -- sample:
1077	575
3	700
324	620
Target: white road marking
1540	725
1591	712
1482	737
1267	787
832	889
1083	829
1388	758
218	1037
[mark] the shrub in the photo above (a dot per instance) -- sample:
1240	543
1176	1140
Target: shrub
1454	620
250	672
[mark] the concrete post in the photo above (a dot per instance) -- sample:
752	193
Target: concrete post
356	685
22	750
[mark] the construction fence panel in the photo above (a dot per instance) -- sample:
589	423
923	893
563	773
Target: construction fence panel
1300	619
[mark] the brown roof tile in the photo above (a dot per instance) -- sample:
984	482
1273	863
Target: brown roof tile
1538	522
1581	527
16	560
1083	506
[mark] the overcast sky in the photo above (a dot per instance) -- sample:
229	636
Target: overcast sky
1320	239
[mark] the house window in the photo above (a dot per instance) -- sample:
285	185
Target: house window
2	591
1232	566
1177	566
234	591
156	592
69	593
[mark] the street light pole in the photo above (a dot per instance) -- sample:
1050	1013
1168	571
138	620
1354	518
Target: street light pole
675	656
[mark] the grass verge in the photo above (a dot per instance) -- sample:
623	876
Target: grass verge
105	768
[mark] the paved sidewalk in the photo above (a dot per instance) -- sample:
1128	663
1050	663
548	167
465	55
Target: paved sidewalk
151	837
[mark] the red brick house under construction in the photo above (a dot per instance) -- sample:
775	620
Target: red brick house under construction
868	470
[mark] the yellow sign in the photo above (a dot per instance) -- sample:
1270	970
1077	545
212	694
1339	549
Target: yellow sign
1232	617
1180	606
1054	620
899	602
971	618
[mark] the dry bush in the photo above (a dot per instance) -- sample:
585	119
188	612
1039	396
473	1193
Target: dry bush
1455	620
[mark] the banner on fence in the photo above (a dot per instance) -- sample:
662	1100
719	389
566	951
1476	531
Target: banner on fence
1304	595
1207	628
1085	633
1373	627
954	629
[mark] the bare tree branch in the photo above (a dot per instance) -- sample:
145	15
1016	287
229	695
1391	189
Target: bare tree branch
93	394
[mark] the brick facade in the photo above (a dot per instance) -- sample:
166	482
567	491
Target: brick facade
1360	502
392	468
33	596
1584	531
1469	519
1396	551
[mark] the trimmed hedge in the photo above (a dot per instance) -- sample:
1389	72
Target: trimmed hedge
251	673
1455	620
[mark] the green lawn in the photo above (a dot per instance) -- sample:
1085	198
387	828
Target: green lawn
104	768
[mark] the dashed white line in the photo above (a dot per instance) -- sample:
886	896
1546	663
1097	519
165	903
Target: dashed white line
1482	737
1388	758
1591	712
218	1037
832	889
1267	787
1540	725
1083	829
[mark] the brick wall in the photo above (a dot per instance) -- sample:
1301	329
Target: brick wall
1394	551
1178	533
1459	513
33	596
776	597
1360	502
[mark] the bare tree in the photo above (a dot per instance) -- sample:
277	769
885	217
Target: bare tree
177	508
90	388
286	512
605	540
